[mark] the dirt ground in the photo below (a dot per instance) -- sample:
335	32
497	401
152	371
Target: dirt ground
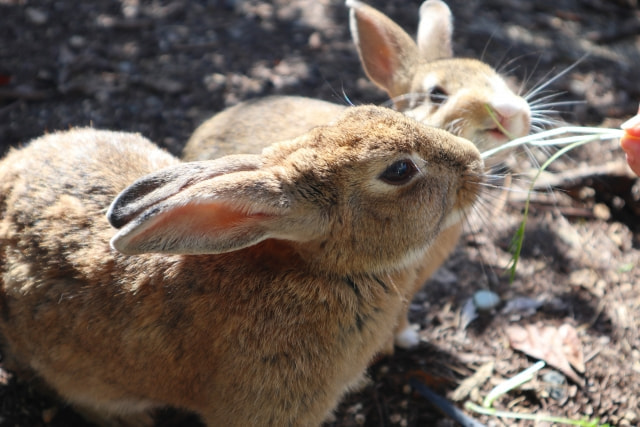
161	67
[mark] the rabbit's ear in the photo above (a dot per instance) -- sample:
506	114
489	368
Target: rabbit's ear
153	188
215	214
435	30
388	54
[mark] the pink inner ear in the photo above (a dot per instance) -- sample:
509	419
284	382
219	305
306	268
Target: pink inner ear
377	50
204	217
195	220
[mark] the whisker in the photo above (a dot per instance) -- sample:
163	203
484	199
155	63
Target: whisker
508	71
409	96
346	98
512	190
542	113
540	122
545	84
486	45
547	93
544	97
528	76
549	111
343	98
539	125
502	68
474	222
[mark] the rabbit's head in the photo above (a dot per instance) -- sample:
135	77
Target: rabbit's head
358	195
464	96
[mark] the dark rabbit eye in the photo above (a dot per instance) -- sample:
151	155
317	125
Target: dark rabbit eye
399	172
437	95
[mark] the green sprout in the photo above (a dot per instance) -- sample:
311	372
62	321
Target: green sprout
544	139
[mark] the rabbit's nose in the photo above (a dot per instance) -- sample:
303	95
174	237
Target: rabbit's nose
512	114
510	106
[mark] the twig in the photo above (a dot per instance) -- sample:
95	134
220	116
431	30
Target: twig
444	405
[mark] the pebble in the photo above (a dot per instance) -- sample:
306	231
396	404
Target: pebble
631	416
214	82
485	300
601	211
36	16
555	382
315	40
77	41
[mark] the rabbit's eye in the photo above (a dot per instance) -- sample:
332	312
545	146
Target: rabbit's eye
437	95
399	173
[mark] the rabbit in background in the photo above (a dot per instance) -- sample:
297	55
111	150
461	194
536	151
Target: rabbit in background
248	289
464	96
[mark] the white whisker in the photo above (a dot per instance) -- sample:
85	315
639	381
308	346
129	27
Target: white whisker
543	99
538	89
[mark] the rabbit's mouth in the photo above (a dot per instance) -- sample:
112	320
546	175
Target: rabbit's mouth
496	134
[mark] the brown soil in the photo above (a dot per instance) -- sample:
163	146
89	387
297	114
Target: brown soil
161	67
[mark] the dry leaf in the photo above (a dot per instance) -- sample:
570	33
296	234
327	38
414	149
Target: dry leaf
559	347
572	347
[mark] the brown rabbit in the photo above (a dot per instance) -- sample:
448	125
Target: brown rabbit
249	289
463	96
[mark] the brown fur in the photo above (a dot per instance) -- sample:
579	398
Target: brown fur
258	292
252	125
407	71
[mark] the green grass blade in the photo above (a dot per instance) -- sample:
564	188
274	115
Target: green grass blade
516	243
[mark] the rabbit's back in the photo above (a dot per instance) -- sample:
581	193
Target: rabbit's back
252	125
83	161
71	180
58	293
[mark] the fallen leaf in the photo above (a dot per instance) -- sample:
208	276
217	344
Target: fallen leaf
572	347
559	347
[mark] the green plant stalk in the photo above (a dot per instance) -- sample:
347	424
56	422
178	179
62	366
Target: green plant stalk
495	119
470	406
518	238
547	138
